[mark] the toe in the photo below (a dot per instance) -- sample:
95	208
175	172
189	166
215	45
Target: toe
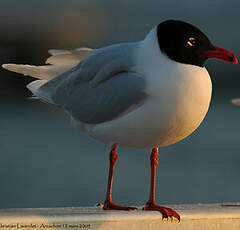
166	212
172	213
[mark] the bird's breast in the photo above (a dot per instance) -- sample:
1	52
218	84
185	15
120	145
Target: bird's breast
178	101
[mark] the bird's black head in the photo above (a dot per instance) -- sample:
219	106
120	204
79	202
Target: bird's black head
185	43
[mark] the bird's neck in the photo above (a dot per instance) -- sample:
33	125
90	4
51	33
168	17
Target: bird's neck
149	55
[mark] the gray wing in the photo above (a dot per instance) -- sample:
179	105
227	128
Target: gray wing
101	87
106	101
105	63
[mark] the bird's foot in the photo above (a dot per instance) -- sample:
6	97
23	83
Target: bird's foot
166	212
109	205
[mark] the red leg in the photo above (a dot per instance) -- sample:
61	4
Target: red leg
108	204
151	204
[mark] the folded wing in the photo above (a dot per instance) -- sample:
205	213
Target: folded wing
108	100
93	86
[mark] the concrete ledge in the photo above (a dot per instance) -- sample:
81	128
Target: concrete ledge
200	216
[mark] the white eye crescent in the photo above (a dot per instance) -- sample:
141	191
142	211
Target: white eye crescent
191	41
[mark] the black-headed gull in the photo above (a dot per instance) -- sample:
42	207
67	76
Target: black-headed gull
145	94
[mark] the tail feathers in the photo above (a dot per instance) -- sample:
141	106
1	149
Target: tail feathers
34	87
68	57
46	72
60	62
63	60
59	51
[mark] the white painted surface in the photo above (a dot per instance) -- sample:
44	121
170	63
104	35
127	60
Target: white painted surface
200	216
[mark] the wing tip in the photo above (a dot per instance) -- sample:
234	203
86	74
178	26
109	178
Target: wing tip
19	68
58	51
8	66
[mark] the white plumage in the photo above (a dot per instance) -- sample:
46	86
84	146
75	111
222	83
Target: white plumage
178	94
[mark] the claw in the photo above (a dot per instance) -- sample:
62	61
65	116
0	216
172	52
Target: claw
166	212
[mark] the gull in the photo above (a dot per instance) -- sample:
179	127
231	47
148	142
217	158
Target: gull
146	94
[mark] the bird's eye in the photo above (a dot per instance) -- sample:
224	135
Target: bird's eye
191	42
